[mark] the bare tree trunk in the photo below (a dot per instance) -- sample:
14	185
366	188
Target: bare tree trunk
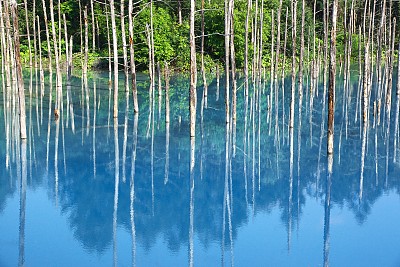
283	73
396	128
167	110
5	50
314	64
28	34
193	72
67	49
81	30
301	57
217	77
124	50
94	24
159	85
86	48
278	40
85	68
332	77
109	49
255	70
366	76
151	76
227	54
41	72
115	52
179	12
57	57
49	55
260	45
132	58
59	29
380	39
153	67
294	25
21	93
203	72
275	78
246	49
272	62
233	63
159	93
326	22
98	32
390	75
34	34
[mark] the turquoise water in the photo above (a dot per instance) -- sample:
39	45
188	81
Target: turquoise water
88	190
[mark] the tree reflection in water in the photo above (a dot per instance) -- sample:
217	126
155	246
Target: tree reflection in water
222	189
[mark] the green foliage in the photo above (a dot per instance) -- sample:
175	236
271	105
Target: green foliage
93	59
182	49
169	38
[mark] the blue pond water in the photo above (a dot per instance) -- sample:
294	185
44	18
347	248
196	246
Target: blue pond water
88	190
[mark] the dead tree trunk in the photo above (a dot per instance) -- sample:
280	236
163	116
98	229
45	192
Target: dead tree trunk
227	54
153	67
193	72
151	76
115	52
81	29
179	12
86	48
41	72
278	40
57	58
233	62
49	55
203	72
21	93
332	77
67	49
28	33
109	49
246	49
34	34
390	75
272	59
124	50
132	58
294	25
59	30
326	32
255	71
167	110
94	25
260	45
301	57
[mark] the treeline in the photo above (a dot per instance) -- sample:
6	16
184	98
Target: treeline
171	28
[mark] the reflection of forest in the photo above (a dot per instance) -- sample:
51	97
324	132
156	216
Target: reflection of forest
161	208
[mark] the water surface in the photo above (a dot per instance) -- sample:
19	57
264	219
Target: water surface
90	190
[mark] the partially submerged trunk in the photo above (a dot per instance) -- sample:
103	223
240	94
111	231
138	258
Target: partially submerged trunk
132	58
57	58
115	53
20	79
193	72
246	49
332	77
294	25
123	35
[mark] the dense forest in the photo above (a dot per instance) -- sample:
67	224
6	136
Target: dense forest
170	24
